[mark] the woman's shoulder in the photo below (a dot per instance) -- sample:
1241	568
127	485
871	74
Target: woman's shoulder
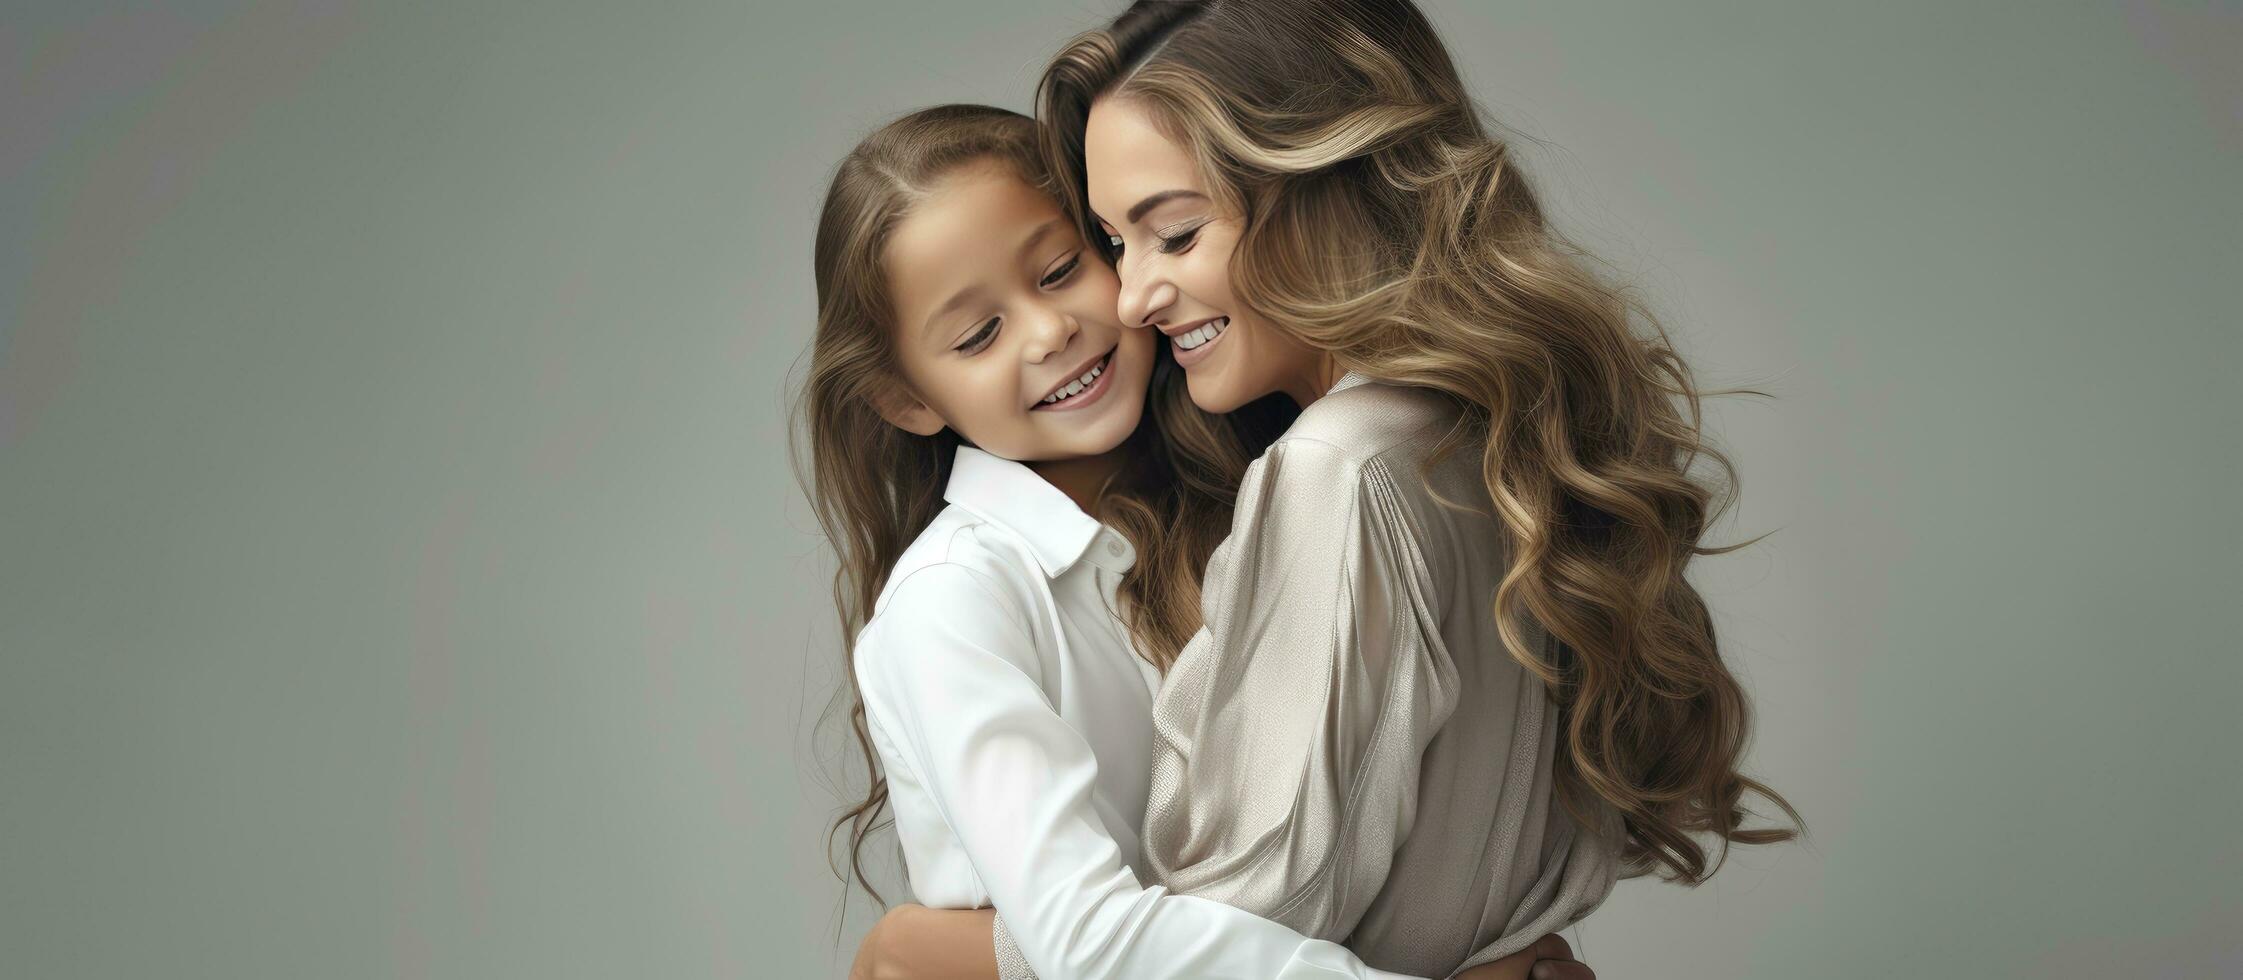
1365	420
1373	454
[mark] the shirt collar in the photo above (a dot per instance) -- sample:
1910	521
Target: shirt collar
1350	380
1012	496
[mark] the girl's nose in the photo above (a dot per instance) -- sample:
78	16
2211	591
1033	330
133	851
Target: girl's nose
1049	335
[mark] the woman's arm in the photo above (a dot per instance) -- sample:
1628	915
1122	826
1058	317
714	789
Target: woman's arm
944	674
1289	734
913	942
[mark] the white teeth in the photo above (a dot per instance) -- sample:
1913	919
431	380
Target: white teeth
1075	387
1207	331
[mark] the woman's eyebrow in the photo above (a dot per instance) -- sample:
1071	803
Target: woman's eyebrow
1155	200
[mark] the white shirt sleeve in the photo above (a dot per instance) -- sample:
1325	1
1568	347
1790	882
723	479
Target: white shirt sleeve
946	673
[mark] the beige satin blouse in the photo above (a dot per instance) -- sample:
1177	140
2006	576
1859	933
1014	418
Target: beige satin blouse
1346	749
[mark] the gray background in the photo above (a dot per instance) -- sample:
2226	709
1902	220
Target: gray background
401	574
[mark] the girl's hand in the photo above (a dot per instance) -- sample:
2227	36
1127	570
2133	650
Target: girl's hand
1550	958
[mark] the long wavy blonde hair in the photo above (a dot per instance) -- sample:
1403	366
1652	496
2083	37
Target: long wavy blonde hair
874	486
1383	223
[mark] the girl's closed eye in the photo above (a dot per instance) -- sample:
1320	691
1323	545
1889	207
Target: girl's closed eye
979	340
1060	275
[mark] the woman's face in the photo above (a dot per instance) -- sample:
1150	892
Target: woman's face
1175	248
1005	325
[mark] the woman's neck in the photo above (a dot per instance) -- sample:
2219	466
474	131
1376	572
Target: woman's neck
1082	477
1318	376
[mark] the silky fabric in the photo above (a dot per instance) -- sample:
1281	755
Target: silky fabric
1012	718
1346	748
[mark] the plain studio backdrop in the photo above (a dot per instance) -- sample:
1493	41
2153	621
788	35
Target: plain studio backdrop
402	575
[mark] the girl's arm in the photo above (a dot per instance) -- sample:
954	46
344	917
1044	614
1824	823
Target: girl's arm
946	674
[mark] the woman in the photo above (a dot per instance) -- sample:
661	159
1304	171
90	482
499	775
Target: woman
1452	680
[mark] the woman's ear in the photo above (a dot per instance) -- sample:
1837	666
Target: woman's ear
905	411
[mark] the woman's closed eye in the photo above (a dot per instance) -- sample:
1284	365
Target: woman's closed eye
979	340
1172	243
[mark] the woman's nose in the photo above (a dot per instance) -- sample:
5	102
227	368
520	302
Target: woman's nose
1143	299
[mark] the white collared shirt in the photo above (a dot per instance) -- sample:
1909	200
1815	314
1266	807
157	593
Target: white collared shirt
1013	720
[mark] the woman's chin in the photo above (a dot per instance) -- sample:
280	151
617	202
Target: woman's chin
1212	395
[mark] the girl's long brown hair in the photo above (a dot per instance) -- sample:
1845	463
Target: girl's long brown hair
874	486
1385	225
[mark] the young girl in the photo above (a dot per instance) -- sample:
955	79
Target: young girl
1007	645
1452	678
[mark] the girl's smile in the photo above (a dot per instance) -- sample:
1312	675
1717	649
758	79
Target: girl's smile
1007	334
1080	391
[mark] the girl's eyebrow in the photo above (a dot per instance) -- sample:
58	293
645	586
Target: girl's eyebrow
1042	231
949	306
1155	200
960	298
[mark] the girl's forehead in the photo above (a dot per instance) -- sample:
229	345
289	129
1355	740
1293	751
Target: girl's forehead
973	232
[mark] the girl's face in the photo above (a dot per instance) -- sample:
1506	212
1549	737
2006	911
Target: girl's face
1175	248
1005	325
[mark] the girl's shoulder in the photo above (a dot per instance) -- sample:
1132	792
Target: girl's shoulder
961	563
964	588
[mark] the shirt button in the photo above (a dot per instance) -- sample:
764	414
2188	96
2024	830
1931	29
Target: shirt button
1113	548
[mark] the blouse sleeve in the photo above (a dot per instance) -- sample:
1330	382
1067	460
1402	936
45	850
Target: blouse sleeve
1314	688
943	670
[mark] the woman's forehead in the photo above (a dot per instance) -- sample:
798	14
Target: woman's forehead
1128	158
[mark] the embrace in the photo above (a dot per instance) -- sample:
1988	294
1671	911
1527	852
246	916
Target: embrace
1262	538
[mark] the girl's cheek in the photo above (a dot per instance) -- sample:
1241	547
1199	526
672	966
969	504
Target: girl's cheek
1098	298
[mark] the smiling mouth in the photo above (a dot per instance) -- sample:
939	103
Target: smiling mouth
1079	384
1200	335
